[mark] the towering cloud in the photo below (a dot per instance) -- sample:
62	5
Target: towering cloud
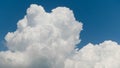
42	40
48	40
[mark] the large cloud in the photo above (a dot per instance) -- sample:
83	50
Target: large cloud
42	40
48	40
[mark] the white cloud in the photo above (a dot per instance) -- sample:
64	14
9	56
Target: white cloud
104	55
42	40
48	40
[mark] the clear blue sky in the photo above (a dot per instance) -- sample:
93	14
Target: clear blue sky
101	18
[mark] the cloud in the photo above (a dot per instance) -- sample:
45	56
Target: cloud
42	40
48	40
104	55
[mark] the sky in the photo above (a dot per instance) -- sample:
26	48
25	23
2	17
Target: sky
59	34
100	18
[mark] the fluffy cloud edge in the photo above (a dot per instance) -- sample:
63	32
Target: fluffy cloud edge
48	40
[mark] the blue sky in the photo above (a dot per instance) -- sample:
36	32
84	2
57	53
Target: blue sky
101	18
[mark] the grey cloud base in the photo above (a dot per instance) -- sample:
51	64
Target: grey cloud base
48	40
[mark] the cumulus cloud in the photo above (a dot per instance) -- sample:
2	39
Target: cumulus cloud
104	55
42	40
48	40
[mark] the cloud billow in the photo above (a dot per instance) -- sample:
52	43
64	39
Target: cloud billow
48	40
